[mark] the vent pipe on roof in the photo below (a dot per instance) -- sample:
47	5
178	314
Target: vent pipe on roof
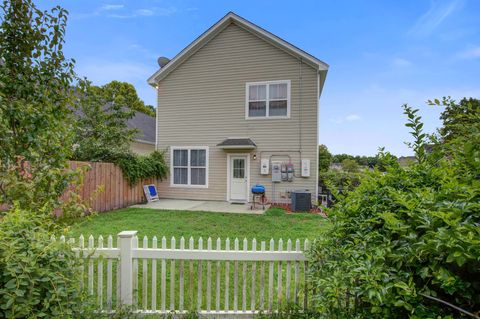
162	61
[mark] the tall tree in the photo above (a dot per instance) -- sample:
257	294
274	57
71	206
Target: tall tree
124	94
101	131
350	165
35	88
324	158
458	118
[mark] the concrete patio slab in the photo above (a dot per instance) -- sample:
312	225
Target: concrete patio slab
203	206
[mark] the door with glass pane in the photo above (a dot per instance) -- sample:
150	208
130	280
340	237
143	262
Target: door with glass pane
238	178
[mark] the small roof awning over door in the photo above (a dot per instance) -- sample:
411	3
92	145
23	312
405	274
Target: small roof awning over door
237	143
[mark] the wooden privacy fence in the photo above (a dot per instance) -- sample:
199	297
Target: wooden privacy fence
117	193
216	282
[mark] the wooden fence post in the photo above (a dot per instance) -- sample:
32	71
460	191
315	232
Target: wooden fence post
126	239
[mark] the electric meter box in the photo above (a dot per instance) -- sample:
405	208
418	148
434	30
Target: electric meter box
305	168
276	171
264	166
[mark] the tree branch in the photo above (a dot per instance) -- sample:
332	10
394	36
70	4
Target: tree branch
449	304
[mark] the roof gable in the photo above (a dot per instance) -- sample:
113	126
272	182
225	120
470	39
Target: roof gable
248	26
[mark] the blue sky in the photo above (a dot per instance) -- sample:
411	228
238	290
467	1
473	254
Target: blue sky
381	53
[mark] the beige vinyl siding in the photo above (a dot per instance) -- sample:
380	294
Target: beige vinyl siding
202	102
141	148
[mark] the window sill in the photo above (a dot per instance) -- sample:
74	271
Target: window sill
268	118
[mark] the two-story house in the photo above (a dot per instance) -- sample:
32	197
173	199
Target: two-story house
237	107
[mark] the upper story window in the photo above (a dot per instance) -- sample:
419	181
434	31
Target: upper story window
268	99
189	166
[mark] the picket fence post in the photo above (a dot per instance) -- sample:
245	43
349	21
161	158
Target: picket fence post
126	239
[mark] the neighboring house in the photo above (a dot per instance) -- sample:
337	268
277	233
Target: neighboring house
235	99
144	142
336	166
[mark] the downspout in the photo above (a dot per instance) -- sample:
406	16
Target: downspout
156	119
300	148
318	130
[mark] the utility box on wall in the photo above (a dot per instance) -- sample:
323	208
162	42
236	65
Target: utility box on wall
276	171
264	166
305	169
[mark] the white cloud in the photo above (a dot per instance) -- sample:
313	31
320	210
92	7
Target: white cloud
100	10
348	118
352	117
439	11
156	11
151	56
166	11
144	12
401	63
108	7
470	53
118	11
101	72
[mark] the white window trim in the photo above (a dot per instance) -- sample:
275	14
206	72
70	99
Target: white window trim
267	83
189	148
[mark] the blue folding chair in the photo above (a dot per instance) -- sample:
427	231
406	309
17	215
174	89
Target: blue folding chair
150	192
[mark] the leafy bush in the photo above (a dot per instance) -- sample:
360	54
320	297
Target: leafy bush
405	236
39	277
291	311
136	168
339	181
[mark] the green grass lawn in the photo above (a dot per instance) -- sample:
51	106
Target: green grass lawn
273	224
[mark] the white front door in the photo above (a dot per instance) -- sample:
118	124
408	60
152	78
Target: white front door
238	178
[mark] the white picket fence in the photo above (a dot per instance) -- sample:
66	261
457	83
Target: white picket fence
267	278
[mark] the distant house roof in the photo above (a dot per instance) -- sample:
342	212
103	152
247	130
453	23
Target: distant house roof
145	124
229	18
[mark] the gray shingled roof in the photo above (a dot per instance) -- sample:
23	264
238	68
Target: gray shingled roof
238	142
145	125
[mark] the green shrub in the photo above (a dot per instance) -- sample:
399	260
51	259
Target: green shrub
291	311
136	168
406	234
38	277
339	181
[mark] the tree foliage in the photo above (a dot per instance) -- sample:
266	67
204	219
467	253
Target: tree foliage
457	117
124	94
324	158
339	181
101	131
35	82
367	161
406	236
349	165
102	135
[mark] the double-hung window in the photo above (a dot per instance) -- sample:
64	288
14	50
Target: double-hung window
268	99
189	166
